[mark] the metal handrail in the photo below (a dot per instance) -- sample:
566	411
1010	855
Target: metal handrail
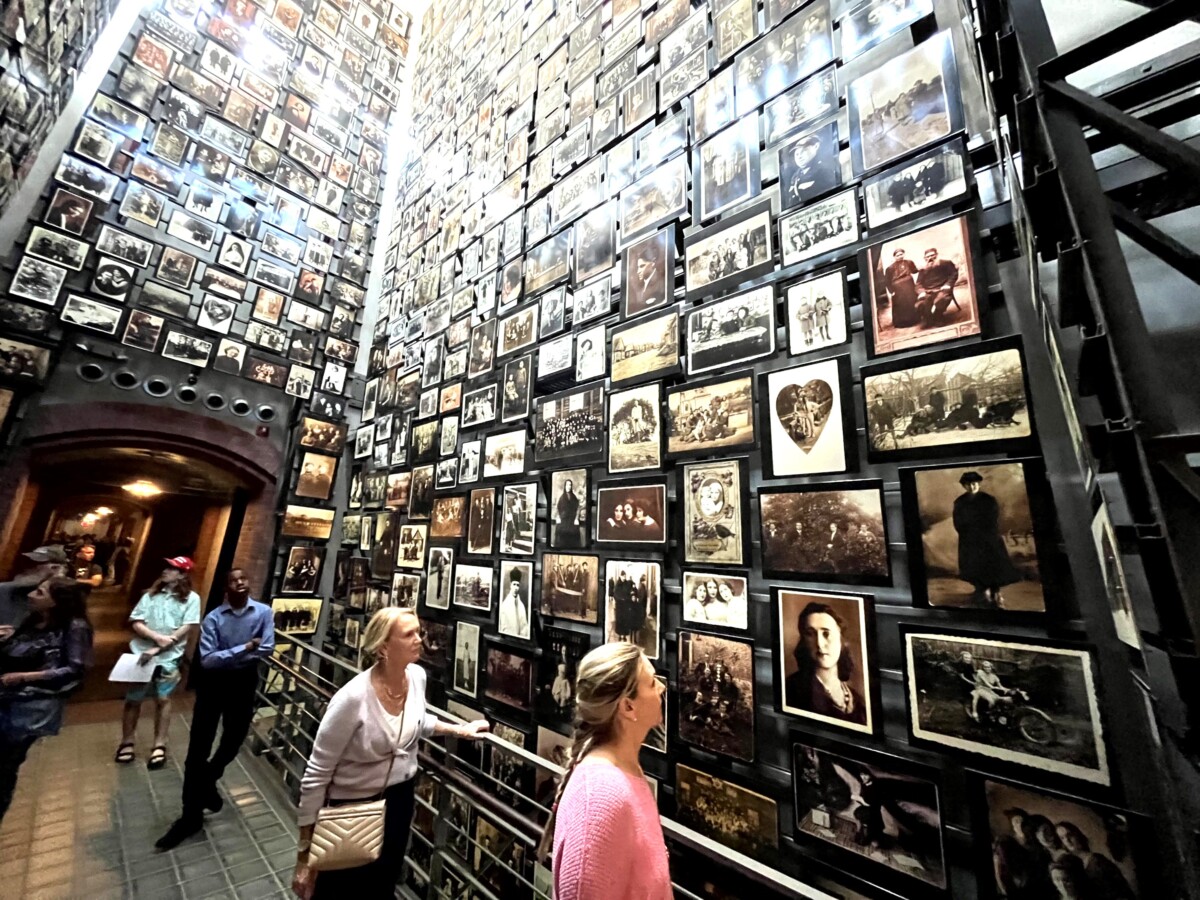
528	830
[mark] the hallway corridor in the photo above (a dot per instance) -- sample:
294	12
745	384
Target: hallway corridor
83	827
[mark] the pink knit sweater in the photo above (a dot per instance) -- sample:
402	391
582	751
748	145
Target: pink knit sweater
608	840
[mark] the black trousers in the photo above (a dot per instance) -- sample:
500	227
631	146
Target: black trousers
377	880
224	697
12	754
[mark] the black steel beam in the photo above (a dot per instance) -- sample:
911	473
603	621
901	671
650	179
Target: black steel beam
1122	37
1158	242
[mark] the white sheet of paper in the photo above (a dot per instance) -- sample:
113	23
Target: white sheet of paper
127	669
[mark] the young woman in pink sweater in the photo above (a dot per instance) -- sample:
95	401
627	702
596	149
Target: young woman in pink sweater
604	826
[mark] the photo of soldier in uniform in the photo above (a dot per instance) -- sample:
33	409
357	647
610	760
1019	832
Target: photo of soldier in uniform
633	603
1019	701
833	531
809	166
570	586
716	694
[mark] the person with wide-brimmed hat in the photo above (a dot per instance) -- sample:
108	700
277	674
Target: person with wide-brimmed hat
164	619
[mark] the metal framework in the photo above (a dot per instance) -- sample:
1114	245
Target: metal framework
1054	129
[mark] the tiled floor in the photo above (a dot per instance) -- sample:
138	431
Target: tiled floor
83	827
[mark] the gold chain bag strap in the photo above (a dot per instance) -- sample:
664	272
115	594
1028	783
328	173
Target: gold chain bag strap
351	835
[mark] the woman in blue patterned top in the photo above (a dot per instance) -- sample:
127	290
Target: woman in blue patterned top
41	661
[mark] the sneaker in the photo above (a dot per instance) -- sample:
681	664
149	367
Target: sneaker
180	831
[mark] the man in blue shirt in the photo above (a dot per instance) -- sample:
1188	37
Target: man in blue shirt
233	639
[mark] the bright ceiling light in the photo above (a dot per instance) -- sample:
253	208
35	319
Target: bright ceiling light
142	489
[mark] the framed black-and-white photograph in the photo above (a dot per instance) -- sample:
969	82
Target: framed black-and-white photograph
448	521
712	104
276	276
1018	702
479	406
731	331
165	299
734	26
716	599
509	676
570	587
570	425
715	524
684	78
176	268
88	313
517	331
20	317
595	243
832	531
592	300
548	263
922	81
716	694
646	348
818	314
632	512
518	517
971	399
874	21
556	356
649	273
87	178
568	508
142	204
820	227
974	535
70	212
188	228
1015	821
729	252
739	818
870	809
824	658
590	352
921	288
938	176
123	245
125	120
633	603
662	142
316	434
809	166
186	348
515	607
56	247
638	98
708	416
216	313
634	427
552	312
37	281
811	100
481	521
654	199
482	352
143	331
23	362
727	169
809	414
561	652
307	522
796	48
410	545
303	570
504	454
466	650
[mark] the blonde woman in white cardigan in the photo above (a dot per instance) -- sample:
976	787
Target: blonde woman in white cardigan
374	722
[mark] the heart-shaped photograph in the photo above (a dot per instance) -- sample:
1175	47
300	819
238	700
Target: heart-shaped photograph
803	410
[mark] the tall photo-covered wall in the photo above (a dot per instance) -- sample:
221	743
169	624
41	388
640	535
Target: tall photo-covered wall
696	337
217	207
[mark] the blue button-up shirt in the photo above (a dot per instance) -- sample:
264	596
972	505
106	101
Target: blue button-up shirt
226	631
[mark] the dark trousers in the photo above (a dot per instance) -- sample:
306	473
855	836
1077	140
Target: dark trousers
12	754
224	697
377	880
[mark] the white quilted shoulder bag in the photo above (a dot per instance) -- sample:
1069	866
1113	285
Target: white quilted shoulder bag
351	835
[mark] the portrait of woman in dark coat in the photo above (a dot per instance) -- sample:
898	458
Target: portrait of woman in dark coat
983	558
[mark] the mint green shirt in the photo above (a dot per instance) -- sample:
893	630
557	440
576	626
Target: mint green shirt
161	612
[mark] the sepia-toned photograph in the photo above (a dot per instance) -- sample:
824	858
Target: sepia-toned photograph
316	476
909	102
296	615
913	303
832	531
518	518
482	351
646	348
716	694
714	520
876	20
410	552
307	522
809	101
654	199
473	586
809	166
937	176
1033	838
509	677
466	656
303	569
570	587
731	331
634	429
185	348
633	603
729	252
570	425
516	599
591	348
717	599
592	300
649	273
448	519
546	264
561	652
868	807
741	819
88	313
504	454
481	521
1024	701
631	513
517	389
707	416
823	658
807	411
595	242
568	508
727	171
971	534
819	227
817	313
975	396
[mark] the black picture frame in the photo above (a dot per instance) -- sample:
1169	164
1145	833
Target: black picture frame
703	390
654	494
652	285
739	142
704	695
773	431
588	449
795	296
939	177
714	322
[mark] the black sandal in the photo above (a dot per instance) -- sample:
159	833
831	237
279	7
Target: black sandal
158	757
124	754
